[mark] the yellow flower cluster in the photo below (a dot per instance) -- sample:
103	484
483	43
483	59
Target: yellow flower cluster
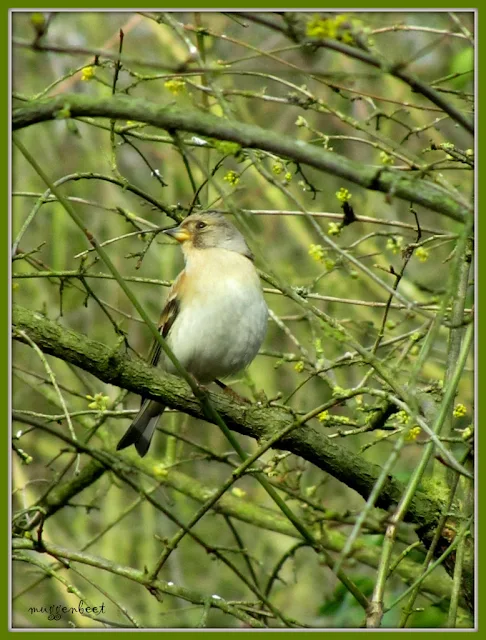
413	433
88	73
175	85
316	252
99	402
232	178
335	28
226	147
421	254
403	417
343	195
38	19
386	159
333	229
459	411
395	244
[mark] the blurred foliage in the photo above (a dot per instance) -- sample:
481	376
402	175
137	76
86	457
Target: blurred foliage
264	76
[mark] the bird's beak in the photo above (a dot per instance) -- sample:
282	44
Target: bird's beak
178	233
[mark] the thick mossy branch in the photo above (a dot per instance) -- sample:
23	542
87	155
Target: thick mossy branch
407	186
310	442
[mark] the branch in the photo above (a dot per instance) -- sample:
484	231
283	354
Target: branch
155	587
395	69
113	366
411	188
243	510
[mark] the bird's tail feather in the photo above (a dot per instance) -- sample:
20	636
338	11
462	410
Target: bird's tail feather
142	429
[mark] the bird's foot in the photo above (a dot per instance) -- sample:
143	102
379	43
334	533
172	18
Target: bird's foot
232	394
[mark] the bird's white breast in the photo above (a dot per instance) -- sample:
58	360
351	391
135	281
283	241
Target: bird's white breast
223	316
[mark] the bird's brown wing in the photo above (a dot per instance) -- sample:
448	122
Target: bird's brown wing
167	319
169	314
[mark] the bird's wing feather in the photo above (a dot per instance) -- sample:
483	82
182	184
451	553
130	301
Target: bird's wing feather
167	319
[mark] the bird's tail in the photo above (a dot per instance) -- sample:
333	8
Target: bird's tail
142	429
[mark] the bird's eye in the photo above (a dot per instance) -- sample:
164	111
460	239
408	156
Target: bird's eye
201	225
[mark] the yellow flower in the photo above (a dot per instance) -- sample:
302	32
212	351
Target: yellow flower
320	28
160	471
341	18
232	178
347	37
323	416
175	85
343	195
299	366
277	168
403	417
334	27
386	159
459	411
88	73
239	493
99	402
339	27
333	229
422	254
38	19
413	433
467	433
39	23
226	147
316	252
395	244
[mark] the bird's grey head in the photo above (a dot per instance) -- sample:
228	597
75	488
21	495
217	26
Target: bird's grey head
209	230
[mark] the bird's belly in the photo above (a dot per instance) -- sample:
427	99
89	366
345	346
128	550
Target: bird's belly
219	339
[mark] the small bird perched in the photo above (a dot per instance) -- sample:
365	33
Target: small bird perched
215	317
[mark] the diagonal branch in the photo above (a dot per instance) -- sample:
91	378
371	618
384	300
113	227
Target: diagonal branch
395	69
411	188
155	587
310	442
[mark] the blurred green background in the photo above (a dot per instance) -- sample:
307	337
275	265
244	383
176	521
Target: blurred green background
266	79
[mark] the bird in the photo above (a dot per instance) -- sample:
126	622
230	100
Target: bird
215	316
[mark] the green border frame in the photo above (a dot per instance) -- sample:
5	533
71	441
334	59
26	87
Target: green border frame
5	282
